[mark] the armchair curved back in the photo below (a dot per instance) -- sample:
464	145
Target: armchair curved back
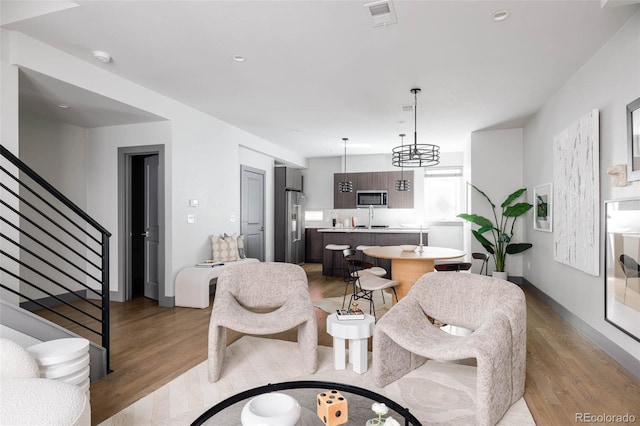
467	300
263	285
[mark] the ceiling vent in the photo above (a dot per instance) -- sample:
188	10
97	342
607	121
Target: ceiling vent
382	13
407	108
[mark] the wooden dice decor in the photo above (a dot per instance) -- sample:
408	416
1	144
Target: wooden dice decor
332	408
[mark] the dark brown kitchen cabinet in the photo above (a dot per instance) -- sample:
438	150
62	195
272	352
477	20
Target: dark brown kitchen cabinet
400	199
313	246
373	181
343	200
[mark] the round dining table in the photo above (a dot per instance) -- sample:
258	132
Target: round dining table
408	266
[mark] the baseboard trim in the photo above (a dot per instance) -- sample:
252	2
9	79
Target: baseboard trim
622	357
51	302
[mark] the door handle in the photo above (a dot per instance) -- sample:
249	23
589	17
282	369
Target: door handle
145	234
261	228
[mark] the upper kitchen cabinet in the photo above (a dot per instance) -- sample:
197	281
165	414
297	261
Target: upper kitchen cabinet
400	199
373	181
288	178
344	200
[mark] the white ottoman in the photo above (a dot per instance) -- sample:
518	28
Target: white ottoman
192	283
357	332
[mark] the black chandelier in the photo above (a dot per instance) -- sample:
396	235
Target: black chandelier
402	184
346	185
418	154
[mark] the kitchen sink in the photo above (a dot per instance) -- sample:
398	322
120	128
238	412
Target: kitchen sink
373	226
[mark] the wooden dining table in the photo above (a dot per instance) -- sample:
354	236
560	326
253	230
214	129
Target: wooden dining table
408	266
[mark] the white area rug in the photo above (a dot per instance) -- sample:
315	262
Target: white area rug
436	393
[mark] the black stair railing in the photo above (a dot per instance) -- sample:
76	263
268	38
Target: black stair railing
53	255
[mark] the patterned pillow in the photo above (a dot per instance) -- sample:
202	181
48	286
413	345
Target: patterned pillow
225	249
239	243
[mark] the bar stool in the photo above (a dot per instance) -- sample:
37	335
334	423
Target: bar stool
336	248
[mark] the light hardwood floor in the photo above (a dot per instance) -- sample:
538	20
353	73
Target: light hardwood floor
566	374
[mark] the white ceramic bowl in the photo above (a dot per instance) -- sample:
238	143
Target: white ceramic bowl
271	409
408	247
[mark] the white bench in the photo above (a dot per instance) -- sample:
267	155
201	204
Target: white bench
192	283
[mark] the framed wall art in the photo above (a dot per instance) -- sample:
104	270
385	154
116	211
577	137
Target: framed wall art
543	208
622	271
633	140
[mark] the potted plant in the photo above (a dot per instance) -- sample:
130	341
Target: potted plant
499	244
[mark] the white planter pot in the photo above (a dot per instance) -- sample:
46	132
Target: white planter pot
501	275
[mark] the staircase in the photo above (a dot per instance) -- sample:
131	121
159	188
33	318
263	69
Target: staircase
54	263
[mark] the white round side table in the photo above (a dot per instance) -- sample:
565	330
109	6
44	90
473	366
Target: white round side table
357	331
66	360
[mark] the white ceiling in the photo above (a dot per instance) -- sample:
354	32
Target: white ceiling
317	71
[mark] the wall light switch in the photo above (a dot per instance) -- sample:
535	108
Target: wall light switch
232	218
191	218
193	203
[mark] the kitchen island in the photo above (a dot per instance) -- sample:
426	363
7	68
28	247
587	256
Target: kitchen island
354	237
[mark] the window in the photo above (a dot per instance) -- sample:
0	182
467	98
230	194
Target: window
313	215
443	193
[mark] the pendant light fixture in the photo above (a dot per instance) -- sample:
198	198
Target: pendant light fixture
346	185
416	155
402	184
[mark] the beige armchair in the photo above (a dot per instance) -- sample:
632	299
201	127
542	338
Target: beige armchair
496	312
262	298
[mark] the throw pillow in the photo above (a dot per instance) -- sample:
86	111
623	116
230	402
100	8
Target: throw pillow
240	243
225	249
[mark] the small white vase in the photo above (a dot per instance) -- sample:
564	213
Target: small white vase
501	275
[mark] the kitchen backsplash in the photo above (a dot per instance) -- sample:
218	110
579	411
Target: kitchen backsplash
388	217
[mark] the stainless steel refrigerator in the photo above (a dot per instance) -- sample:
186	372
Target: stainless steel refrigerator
289	216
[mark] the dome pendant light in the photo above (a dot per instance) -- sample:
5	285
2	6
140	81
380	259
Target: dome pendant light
346	185
402	184
416	155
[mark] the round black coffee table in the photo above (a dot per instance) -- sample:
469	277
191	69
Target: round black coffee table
359	400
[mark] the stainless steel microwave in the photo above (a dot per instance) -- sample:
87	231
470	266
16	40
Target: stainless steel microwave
365	199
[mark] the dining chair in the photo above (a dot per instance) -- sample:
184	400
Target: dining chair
452	266
631	269
485	259
364	284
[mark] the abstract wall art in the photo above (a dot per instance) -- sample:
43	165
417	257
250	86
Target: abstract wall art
576	195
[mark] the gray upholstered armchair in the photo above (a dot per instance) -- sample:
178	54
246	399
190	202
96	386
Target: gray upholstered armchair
496	312
262	298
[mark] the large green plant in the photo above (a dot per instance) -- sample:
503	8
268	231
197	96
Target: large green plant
501	232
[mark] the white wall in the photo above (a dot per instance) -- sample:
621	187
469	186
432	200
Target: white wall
9	139
102	180
496	169
57	151
608	82
201	153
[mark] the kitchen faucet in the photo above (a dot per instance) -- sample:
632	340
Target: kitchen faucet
370	215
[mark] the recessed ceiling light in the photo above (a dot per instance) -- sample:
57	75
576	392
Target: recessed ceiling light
501	15
64	106
239	58
102	56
